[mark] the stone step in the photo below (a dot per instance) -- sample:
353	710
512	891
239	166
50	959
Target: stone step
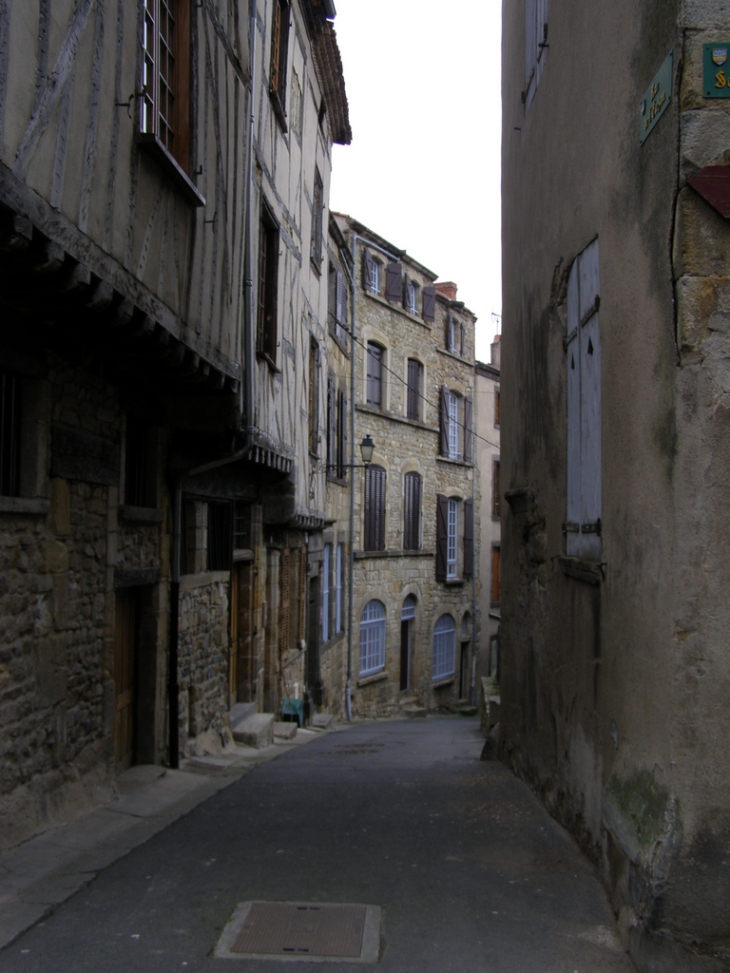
285	731
322	721
240	712
415	712
408	701
257	731
467	710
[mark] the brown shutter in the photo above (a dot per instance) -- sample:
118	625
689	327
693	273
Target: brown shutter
442	516
468	538
444	421
285	600
367	270
412	512
374	539
447	333
331	423
394	282
374	375
414	375
429	303
468	432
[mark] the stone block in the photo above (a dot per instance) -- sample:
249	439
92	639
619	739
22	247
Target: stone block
285	731
257	731
415	712
55	557
322	721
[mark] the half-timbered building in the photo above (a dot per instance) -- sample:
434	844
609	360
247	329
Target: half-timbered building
164	176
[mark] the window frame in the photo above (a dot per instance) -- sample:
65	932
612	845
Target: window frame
373	635
443	657
339	587
452	539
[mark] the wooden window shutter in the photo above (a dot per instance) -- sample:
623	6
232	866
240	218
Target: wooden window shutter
341	302
462	339
468	431
429	303
444	422
341	435
374	375
442	515
374	508
367	270
414	390
394	282
412	512
331	423
447	333
496	490
468	538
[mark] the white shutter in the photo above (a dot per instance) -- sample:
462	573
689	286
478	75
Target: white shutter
583	362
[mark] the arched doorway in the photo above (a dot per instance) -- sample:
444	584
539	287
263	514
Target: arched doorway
407	618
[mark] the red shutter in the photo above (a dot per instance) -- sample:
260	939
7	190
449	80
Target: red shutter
468	538
444	422
442	515
394	282
468	432
429	303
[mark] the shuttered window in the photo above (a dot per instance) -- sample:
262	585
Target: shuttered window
326	592
220	536
497	407
536	35
454	428
394	282
375	375
279	51
314	397
496	490
415	370
452	539
341	308
372	638
341	435
468	430
429	304
444	649
583	366
468	571
374	527
266	331
10	390
413	488
410	295
442	517
331	429
450	334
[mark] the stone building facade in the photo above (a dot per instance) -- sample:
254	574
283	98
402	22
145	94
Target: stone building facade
161	297
616	453
415	516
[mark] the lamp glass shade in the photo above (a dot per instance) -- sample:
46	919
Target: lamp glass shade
367	448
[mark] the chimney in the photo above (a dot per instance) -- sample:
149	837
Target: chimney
496	351
447	288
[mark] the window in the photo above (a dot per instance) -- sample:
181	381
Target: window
410	295
313	397
370	272
497	407
444	649
372	638
453	406
317	211
279	54
10	393
136	464
536	34
496	490
374	394
412	512
337	303
326	592
452	539
413	399
220	537
495	575
339	588
374	508
450	336
583	364
266	332
468	430
165	97
341	435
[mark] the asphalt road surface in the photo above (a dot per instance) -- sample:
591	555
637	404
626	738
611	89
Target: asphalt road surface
471	874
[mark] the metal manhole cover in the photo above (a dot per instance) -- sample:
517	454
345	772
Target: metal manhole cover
302	931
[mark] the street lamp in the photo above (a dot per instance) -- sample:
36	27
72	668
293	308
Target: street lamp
367	448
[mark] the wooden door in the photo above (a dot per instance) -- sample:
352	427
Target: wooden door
125	677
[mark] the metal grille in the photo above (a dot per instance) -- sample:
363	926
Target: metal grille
281	928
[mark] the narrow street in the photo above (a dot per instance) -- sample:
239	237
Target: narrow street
470	872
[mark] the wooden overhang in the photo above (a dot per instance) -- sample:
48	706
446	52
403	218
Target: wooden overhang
317	15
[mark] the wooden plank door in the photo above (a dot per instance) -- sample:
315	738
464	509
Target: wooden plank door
125	677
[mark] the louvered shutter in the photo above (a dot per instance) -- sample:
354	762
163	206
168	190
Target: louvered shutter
468	538
374	375
496	490
462	339
444	422
414	377
343	436
412	512
394	282
367	270
468	432
442	516
429	303
331	423
374	508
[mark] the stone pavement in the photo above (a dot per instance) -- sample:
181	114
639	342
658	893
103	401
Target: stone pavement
471	874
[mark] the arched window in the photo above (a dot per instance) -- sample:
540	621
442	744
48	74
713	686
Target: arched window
412	511
374	539
444	648
409	608
372	638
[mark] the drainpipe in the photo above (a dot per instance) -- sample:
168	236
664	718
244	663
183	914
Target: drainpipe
353	386
475	550
246	408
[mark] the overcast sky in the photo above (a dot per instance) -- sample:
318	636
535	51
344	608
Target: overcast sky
423	170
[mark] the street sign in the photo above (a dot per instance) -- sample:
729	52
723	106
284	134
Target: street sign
717	70
656	99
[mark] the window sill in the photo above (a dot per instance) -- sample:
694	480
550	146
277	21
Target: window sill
399	310
452	354
582	570
203	579
369	680
140	515
443	683
365	555
337	480
278	110
264	356
157	151
454	582
454	462
24	505
416	424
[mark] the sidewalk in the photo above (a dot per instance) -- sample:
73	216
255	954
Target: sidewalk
45	871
